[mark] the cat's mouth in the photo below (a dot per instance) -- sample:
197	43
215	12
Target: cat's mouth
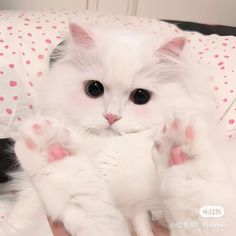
131	131
111	131
108	131
116	131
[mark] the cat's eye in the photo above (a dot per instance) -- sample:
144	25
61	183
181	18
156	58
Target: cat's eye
94	89
140	96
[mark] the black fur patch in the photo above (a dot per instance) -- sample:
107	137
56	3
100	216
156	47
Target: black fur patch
57	53
8	160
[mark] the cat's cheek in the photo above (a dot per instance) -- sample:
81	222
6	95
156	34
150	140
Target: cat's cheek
142	110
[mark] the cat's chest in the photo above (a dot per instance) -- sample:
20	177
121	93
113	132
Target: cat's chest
126	163
119	152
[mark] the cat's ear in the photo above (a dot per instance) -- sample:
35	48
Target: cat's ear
81	36
173	47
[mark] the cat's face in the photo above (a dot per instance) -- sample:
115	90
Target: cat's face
112	81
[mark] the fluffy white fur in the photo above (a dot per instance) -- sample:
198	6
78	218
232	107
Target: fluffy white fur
116	174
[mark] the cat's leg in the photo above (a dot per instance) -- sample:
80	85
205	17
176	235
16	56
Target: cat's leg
192	176
67	182
141	223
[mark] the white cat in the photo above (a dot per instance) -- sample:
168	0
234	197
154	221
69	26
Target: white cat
124	127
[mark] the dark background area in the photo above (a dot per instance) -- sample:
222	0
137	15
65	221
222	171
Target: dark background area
205	29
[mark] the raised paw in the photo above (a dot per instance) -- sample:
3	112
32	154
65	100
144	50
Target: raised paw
44	140
180	141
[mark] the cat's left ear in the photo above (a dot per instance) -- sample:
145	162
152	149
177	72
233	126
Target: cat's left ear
81	36
173	47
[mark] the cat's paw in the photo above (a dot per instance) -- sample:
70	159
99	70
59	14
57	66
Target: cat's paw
184	142
185	156
175	145
44	140
48	137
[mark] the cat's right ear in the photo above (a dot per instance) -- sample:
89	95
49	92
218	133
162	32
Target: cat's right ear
173	48
81	36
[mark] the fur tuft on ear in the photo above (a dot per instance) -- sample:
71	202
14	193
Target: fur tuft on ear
81	36
174	47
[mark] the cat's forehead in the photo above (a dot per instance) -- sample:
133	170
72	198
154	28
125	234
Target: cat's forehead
121	70
122	62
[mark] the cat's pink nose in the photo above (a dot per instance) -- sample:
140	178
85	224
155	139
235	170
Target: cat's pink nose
111	118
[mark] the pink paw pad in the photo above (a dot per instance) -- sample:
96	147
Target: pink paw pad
178	156
189	134
175	124
37	128
57	152
164	129
30	144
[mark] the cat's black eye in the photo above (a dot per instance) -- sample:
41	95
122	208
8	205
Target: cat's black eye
140	96
94	89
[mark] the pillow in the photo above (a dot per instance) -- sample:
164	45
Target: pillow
28	38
